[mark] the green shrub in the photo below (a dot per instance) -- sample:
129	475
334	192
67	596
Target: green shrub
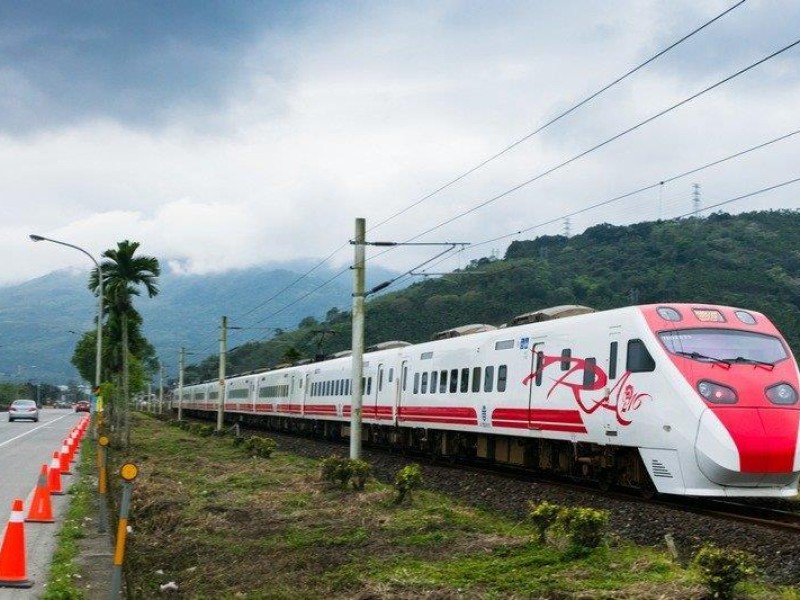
343	471
586	527
407	479
205	430
360	471
261	447
544	515
238	441
722	569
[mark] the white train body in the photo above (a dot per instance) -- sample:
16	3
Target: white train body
702	398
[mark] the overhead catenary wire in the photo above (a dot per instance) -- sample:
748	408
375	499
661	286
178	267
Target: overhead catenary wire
505	150
604	143
558	117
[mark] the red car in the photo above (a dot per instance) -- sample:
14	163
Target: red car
82	406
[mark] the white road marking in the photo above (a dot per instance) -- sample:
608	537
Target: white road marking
32	430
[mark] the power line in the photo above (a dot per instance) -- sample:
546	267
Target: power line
558	117
506	149
749	195
605	142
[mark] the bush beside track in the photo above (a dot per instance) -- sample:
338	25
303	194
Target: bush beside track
220	522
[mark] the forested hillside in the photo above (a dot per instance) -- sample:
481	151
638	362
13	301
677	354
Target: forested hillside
750	260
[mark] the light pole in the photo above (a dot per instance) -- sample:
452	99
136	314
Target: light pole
98	358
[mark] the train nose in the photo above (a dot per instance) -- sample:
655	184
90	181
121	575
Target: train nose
748	446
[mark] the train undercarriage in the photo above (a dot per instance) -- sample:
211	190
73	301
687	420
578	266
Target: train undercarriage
607	466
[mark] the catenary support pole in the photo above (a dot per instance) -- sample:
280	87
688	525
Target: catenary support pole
358	340
223	343
181	362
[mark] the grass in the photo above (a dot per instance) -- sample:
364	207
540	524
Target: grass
224	525
63	582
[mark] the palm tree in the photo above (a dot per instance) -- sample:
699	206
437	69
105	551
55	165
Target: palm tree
123	273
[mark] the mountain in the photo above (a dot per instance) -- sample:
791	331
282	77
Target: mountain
42	319
750	260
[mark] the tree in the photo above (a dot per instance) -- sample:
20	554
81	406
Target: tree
123	273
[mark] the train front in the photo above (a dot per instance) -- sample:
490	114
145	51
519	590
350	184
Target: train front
745	379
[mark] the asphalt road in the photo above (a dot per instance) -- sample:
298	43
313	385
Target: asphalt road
24	447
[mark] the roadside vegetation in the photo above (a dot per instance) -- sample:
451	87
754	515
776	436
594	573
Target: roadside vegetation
216	520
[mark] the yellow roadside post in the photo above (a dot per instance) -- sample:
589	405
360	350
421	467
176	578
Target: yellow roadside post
102	480
128	472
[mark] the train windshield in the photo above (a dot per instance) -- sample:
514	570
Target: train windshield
724	345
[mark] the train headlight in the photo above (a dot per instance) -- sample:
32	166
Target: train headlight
716	393
782	393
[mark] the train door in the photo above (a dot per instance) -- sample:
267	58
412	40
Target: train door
402	386
610	424
536	380
375	400
304	395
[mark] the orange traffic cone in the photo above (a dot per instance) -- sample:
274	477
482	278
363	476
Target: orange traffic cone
41	508
64	459
54	476
12	552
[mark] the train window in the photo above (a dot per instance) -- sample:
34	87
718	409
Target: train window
464	380
349	388
405	378
488	379
434	379
443	382
391	375
639	359
566	355
369	386
337	387
504	345
380	380
476	379
453	381
589	375
539	369
612	360
363	385
424	388
502	376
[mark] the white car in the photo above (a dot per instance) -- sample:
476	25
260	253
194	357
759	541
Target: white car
23	409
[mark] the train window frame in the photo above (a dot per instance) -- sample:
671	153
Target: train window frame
488	379
434	381
405	377
476	380
566	353
443	381
502	378
423	388
453	381
637	351
416	383
464	380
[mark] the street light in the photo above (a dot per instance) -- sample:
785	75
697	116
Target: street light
39	238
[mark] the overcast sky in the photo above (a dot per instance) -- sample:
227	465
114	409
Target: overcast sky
230	134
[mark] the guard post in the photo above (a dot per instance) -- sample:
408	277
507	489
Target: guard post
128	472
102	480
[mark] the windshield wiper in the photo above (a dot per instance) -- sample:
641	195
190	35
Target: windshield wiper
698	356
752	361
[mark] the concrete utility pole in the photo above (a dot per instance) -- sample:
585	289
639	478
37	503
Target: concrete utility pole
358	339
181	364
160	388
223	343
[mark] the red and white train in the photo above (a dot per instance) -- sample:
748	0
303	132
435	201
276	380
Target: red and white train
686	399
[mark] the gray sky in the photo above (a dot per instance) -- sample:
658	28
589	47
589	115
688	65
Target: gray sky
229	134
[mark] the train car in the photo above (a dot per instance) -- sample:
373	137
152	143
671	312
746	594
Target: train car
684	399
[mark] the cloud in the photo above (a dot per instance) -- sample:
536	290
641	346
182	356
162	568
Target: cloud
263	138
